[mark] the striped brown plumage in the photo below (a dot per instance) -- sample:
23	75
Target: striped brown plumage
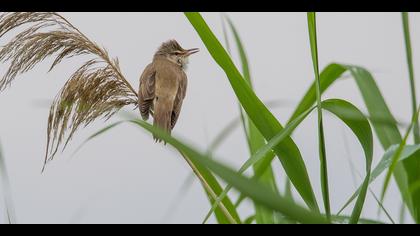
163	86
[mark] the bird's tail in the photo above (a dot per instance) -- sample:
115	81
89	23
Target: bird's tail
162	116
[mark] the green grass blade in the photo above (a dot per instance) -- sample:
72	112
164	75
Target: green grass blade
96	134
360	126
241	112
381	206
349	114
265	121
250	187
406	27
383	122
356	121
321	139
209	182
228	129
249	219
261	154
413	176
220	217
244	60
288	190
387	134
402	213
328	76
410	169
213	146
386	131
180	195
409	152
346	219
412	165
5	183
354	171
255	138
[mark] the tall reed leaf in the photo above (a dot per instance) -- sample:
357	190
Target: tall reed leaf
222	135
250	187
346	219
207	178
266	123
255	138
360	126
412	170
382	120
345	111
408	152
412	166
406	27
260	154
321	139
228	129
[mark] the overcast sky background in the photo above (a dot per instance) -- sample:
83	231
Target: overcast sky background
124	177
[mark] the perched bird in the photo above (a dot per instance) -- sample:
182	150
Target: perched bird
163	85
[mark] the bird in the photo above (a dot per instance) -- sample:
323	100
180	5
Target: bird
163	86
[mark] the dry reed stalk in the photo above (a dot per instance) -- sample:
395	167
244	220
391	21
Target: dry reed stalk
96	90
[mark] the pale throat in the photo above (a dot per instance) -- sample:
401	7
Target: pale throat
184	63
180	61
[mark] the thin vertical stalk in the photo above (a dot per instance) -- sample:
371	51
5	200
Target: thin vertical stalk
241	112
321	140
255	138
398	154
210	191
406	27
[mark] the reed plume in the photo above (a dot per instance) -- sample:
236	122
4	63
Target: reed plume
96	90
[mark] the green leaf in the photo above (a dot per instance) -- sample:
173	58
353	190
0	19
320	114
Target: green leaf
249	219
261	154
321	139
406	27
412	166
349	114
412	169
255	138
228	129
408	152
225	213
96	134
360	126
383	122
250	187
287	151
327	77
346	219
387	133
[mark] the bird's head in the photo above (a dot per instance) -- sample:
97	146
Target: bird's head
172	51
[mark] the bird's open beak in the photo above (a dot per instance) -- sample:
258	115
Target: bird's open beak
191	51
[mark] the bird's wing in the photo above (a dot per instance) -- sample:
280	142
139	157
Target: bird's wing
166	90
147	91
182	91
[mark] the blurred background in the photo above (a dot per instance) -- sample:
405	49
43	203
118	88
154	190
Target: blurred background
124	177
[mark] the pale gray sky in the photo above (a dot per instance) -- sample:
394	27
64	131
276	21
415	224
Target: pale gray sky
124	177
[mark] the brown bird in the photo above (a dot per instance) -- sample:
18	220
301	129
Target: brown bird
163	85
